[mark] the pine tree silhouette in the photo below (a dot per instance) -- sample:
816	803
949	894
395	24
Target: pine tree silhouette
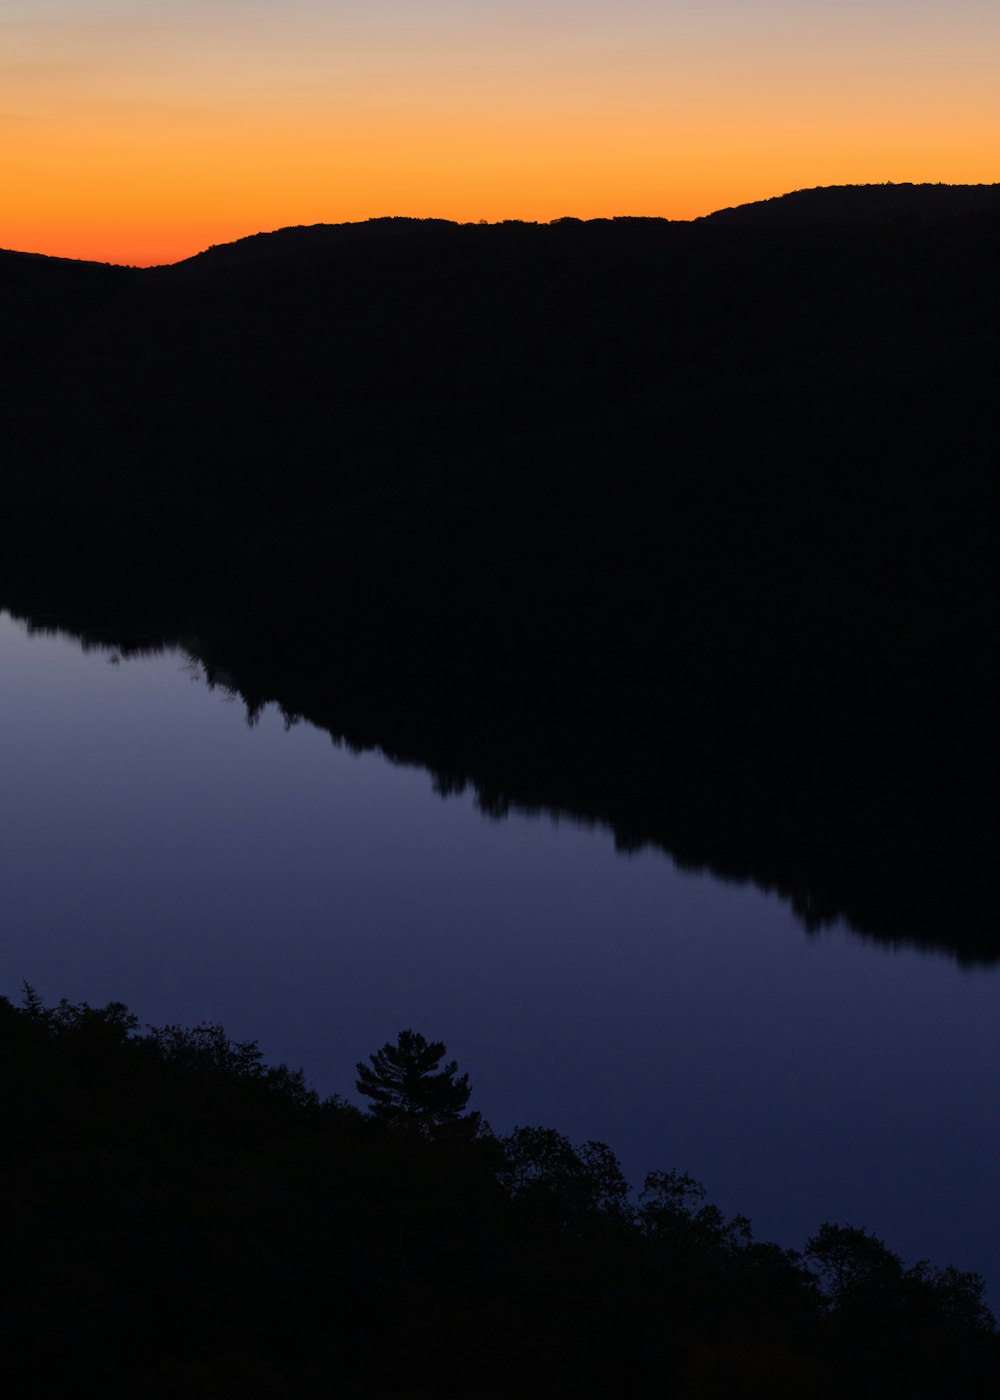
405	1085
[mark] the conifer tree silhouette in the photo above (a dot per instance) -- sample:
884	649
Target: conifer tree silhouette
405	1085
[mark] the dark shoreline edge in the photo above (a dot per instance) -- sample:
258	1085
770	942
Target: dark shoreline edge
691	530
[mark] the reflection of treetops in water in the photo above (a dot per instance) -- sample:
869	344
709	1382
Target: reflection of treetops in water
118	647
819	893
239	1235
492	803
514	772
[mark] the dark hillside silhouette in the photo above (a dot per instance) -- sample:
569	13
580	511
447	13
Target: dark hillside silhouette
690	528
862	204
184	1219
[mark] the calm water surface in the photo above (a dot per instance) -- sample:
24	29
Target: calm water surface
156	850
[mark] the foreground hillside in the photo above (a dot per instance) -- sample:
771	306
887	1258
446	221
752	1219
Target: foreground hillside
691	528
184	1219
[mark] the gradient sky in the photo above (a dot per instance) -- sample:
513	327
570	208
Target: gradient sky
143	130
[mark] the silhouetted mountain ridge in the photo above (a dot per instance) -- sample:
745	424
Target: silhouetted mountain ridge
858	204
797	209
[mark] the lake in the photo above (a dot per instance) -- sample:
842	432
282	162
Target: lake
158	850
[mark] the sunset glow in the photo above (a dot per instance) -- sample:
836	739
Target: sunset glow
141	131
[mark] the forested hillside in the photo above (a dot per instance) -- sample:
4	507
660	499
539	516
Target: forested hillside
691	528
182	1218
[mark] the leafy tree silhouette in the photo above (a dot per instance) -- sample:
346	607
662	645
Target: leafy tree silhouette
405	1085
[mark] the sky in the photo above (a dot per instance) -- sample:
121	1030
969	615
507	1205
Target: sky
141	131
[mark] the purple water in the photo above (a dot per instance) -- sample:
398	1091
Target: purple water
156	850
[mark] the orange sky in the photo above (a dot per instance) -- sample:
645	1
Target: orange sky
143	130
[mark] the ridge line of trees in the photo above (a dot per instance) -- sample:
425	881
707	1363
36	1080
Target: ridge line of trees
183	1216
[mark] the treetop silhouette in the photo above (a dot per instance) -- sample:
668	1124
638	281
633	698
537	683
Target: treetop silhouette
405	1085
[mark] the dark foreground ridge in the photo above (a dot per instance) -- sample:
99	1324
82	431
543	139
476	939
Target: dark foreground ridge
688	528
185	1220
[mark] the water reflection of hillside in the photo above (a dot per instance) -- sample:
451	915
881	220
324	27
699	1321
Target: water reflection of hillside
896	894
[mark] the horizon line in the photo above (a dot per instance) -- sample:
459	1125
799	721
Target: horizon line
498	223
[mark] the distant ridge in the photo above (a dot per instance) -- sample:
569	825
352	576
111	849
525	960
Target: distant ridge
860	204
822	206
